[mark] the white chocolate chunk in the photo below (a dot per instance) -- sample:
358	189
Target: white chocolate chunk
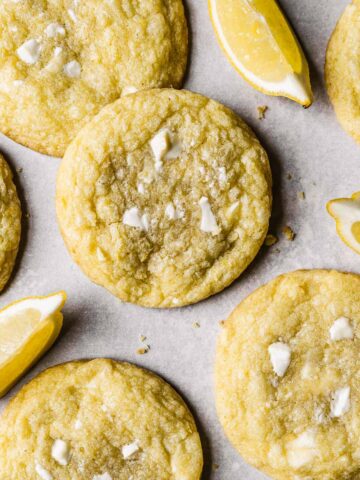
340	402
56	63
133	218
42	472
104	476
129	450
141	189
72	15
160	145
128	90
29	52
60	452
341	330
54	29
208	220
302	450
171	212
78	424
280	357
72	69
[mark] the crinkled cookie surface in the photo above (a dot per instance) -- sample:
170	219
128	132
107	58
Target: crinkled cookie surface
61	61
164	198
10	222
98	420
342	69
288	379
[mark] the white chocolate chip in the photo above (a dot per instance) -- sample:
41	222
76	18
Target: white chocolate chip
56	63
72	15
208	220
231	210
42	472
280	356
133	218
29	52
129	450
104	476
341	330
72	69
60	452
171	212
160	145
141	189
78	424
54	29
128	90
340	402
302	450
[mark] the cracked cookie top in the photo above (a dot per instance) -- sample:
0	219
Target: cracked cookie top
164	198
61	61
98	420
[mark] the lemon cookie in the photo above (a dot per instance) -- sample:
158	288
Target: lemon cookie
98	420
62	61
164	198
10	222
342	70
288	380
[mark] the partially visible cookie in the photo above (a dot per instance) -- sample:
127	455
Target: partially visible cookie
98	420
10	222
164	198
288	378
61	61
342	69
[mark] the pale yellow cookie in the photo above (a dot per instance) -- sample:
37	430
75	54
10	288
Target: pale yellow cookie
288	378
98	420
342	69
61	61
10	223
164	198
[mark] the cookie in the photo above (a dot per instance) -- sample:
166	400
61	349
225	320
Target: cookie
288	380
62	61
164	198
98	420
342	69
10	223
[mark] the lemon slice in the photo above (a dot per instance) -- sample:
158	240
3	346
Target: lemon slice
28	328
262	47
346	212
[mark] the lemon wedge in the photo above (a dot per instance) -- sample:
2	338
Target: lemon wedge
346	212
28	328
261	45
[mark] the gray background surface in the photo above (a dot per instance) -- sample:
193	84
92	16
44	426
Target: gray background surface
308	144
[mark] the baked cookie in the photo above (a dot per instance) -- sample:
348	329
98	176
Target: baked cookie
342	69
10	222
61	61
164	198
98	420
288	379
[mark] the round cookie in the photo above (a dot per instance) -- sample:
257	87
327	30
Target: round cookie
342	69
98	420
10	223
288	379
164	198
62	61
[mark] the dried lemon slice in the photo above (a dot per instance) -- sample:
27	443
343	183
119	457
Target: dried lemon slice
28	328
261	45
346	212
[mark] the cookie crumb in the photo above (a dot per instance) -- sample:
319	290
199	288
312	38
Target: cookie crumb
19	170
270	240
262	109
301	195
289	176
215	466
142	338
289	233
196	325
222	323
142	350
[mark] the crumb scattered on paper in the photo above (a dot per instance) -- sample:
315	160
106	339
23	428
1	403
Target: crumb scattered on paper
222	323
289	233
196	325
262	109
143	350
270	240
301	195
